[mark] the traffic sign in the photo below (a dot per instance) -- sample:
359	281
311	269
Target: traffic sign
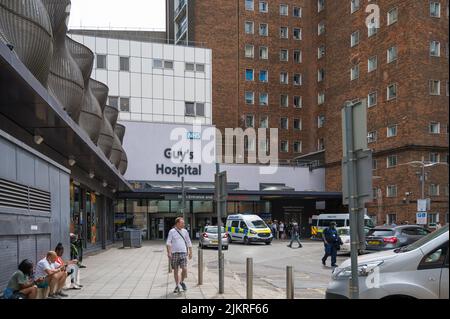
422	218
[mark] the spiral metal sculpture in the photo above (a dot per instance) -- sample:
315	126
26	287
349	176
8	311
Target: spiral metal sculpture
91	115
26	27
123	163
65	81
117	150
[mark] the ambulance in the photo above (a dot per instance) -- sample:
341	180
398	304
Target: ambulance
247	229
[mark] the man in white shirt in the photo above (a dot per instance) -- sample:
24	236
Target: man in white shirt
179	247
54	277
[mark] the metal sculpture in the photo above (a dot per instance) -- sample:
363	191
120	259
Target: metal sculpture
91	117
25	27
123	163
117	150
65	81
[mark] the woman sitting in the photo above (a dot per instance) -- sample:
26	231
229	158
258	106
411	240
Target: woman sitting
21	286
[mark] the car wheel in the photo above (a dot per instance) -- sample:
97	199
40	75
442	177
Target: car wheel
268	242
246	241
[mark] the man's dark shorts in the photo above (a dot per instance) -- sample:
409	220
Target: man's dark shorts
178	260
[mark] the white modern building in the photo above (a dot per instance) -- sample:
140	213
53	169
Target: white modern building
151	81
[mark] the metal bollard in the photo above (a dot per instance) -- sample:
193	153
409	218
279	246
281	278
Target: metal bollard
289	283
200	266
249	278
221	274
170	267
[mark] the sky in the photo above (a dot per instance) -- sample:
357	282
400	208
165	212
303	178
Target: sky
131	14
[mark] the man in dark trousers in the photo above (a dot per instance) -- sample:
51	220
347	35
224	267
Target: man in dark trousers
295	236
332	243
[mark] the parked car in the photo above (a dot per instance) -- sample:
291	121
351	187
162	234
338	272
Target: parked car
418	270
391	237
344	233
209	238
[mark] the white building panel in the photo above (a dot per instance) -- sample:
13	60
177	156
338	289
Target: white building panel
146	65
168	118
124	84
199	90
189	54
113	83
178	68
168	88
147	106
147	50
135	65
147	117
179	89
147	85
208	91
168	52
124	48
101	76
136	85
135	105
101	46
158	106
189	90
178	53
90	43
200	55
168	107
136	117
179	108
158	83
113	46
135	49
112	62
158	51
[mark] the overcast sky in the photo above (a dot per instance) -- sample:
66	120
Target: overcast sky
147	14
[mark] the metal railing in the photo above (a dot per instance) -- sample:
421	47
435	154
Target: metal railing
181	6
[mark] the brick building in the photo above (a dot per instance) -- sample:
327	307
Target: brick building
313	56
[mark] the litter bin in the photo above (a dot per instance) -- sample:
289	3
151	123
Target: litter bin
132	238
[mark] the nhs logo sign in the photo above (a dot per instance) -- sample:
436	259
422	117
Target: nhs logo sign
194	135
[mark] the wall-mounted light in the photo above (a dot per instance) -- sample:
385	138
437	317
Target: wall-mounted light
72	161
38	139
91	174
105	184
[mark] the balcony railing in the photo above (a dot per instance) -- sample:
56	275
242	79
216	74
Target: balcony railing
182	29
181	6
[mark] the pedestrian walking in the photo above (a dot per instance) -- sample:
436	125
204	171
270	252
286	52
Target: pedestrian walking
281	230
179	249
275	229
295	236
332	243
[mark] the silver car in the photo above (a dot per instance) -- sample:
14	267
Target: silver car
209	238
419	271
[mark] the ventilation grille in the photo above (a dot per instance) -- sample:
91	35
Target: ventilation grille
16	195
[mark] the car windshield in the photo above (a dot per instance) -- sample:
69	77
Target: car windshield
343	232
368	223
424	240
380	232
327	222
213	230
258	224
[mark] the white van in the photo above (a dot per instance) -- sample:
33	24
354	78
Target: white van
319	223
247	229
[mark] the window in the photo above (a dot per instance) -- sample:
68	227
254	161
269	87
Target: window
297	101
297	34
263	30
249	121
392	54
263	7
392	16
321	28
263	53
354	74
392	92
124	104
374	164
392	131
284	78
320	144
249	51
263	99
297	79
189	109
297	147
124	64
284	123
354	5
435	87
263	76
200	67
249	74
200	109
168	64
297	124
320	121
391	219
284	10
157	64
391	161
434	190
264	121
249	144
284	100
435	9
284	55
113	101
354	39
249	97
321	52
435	48
372	27
190	67
297	12
320	5
392	191
320	75
372	63
372	99
372	137
284	146
249	5
249	27
284	32
101	61
320	98
434	157
435	128
297	56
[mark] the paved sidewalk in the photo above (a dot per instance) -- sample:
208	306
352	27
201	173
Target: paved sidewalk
141	273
